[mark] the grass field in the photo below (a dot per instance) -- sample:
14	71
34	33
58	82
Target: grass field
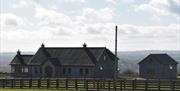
33	90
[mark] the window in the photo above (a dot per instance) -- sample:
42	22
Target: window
87	71
104	57
81	71
36	70
13	69
69	70
170	67
101	68
26	69
22	69
64	71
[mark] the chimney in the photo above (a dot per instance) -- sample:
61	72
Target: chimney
42	45
18	52
84	45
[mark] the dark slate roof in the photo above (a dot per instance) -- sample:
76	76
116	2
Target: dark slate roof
68	55
21	60
55	61
161	58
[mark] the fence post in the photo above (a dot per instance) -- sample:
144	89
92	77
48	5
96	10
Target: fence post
57	83
12	83
172	85
109	85
39	83
76	84
114	85
48	83
104	83
159	84
100	83
133	85
21	83
94	83
3	83
121	85
124	84
86	84
66	84
30	83
97	85
146	84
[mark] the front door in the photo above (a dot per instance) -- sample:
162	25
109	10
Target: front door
48	71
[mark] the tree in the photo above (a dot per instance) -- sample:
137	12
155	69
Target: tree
128	72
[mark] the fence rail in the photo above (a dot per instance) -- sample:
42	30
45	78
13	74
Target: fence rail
92	84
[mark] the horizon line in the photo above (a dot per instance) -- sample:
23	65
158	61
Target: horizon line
112	51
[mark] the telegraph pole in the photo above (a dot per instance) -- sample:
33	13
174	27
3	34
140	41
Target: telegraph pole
115	59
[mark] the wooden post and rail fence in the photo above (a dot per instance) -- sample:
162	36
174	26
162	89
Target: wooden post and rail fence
91	84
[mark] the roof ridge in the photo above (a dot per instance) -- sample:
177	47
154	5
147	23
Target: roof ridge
158	54
159	60
74	47
26	55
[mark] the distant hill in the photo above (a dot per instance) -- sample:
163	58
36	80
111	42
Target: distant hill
5	59
128	59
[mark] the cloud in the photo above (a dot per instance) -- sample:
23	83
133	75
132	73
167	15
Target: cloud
161	7
62	31
52	18
111	1
58	24
91	25
21	4
73	1
174	6
150	32
119	1
90	15
10	20
98	28
90	20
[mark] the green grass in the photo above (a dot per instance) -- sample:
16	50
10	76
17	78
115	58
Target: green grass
33	90
178	77
4	74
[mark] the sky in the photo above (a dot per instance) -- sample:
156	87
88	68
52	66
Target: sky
142	24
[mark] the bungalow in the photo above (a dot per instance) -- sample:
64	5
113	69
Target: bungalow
64	62
158	66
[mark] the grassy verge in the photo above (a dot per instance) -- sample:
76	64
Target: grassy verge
4	74
33	90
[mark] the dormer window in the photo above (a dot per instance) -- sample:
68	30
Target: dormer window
170	67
